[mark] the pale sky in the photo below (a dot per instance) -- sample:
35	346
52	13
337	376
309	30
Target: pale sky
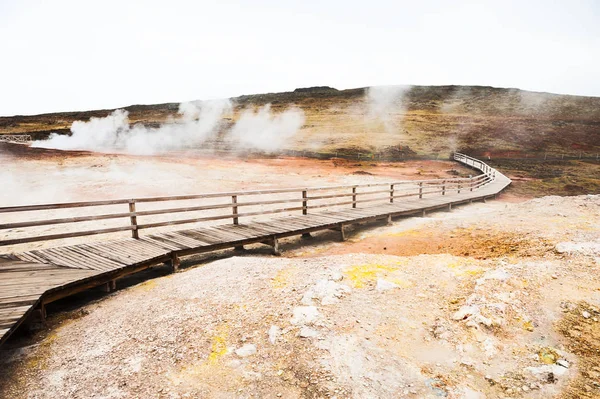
65	55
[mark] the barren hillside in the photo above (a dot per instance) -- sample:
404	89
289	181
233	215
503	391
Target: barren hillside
426	119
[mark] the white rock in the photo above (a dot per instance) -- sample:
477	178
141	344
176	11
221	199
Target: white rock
274	333
497	274
468	393
246	350
337	276
465	311
585	248
325	291
383	285
304	315
586	314
563	363
542	372
307	332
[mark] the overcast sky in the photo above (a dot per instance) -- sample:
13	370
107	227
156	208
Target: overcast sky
66	55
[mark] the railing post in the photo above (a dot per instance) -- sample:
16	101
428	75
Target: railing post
420	190
353	197
444	187
458	192
133	219
234	209
471	183
391	193
304	202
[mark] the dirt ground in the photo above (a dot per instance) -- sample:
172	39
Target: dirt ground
423	308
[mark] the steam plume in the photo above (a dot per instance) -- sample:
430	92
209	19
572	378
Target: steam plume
198	122
264	131
384	103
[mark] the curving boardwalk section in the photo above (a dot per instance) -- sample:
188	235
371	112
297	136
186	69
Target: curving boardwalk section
31	279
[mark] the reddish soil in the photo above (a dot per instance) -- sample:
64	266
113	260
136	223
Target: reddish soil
475	243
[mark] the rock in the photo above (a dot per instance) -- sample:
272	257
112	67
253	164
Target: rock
384	285
274	333
307	332
585	248
547	373
554	276
304	315
337	276
246	350
586	314
563	363
326	291
465	311
497	274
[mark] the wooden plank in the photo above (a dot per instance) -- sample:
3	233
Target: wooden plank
108	264
124	251
201	235
189	241
240	231
91	262
107	254
131	248
166	246
167	241
50	258
69	260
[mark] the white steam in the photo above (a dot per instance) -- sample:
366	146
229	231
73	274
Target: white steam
198	123
264	131
387	105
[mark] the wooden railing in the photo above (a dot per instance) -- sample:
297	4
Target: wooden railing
298	199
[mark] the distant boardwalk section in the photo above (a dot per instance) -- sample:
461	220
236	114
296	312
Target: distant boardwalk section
15	138
32	278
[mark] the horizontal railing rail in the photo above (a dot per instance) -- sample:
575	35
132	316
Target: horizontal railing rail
346	195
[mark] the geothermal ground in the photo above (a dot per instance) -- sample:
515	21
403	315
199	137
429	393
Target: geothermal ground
491	300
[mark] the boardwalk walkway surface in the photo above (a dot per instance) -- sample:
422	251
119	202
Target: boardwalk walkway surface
31	279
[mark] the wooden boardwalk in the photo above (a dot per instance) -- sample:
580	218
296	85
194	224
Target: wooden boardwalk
31	279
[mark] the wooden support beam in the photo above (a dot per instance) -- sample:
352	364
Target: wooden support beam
239	248
389	219
449	207
306	235
175	263
37	318
275	244
109	286
342	232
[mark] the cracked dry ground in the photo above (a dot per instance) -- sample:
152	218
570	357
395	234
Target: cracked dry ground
489	301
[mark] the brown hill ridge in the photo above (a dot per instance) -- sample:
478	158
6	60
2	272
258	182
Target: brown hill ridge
427	119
